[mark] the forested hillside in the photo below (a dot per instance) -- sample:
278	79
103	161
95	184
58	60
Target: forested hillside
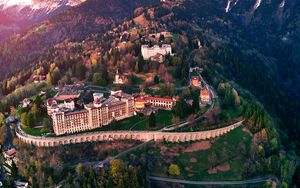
249	54
94	16
261	53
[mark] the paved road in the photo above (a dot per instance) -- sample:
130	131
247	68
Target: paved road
185	123
242	182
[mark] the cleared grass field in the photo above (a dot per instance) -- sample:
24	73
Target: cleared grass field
230	150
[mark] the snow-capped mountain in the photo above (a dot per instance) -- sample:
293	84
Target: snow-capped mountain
46	6
16	15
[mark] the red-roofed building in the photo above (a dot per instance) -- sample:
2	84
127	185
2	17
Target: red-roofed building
67	97
159	102
139	103
9	154
195	81
205	96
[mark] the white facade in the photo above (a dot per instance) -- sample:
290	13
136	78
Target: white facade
119	79
148	52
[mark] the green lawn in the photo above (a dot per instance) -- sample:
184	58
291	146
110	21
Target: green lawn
125	124
225	149
163	118
35	131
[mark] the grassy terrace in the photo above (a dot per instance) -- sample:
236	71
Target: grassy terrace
139	123
35	131
231	149
227	148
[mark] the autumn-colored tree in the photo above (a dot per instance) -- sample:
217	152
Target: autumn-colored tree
24	119
116	167
174	170
2	119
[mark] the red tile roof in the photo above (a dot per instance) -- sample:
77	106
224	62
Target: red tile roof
65	97
139	100
204	92
10	152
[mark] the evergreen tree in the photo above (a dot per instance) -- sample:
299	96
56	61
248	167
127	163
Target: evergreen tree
135	180
35	112
14	170
91	177
156	79
181	108
38	101
96	78
296	177
30	120
152	120
80	71
195	104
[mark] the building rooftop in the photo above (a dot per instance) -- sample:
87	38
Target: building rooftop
67	96
204	92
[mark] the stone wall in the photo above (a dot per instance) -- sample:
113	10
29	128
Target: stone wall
124	135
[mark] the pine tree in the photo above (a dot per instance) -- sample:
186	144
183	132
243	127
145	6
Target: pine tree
91	178
156	79
152	120
195	104
30	120
135	180
14	170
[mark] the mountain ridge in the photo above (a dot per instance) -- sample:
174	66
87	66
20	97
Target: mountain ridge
16	16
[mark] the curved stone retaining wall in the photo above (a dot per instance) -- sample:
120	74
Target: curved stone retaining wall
124	135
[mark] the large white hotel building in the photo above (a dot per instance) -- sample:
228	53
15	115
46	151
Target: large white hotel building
94	115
